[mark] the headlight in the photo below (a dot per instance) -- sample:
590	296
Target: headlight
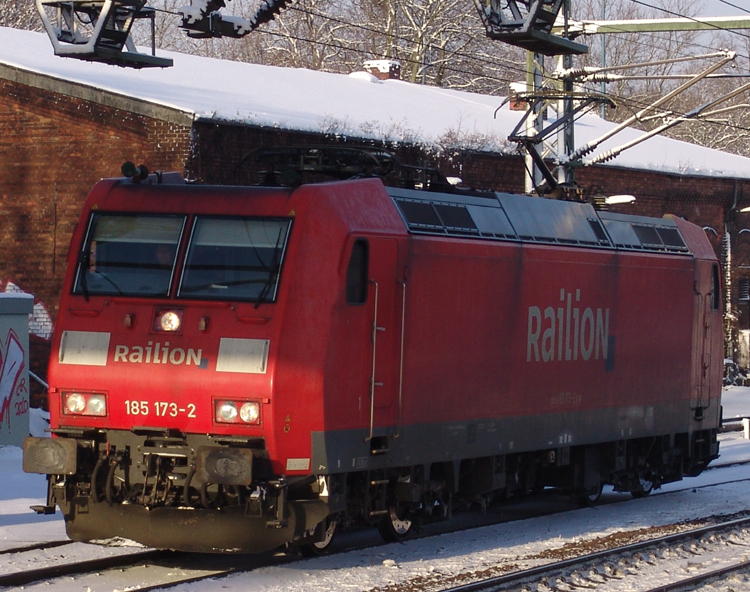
169	320
75	403
94	404
237	412
226	412
250	412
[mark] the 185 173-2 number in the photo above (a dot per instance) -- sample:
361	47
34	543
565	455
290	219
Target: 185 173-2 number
159	408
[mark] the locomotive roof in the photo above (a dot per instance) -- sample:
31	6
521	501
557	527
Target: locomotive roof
507	217
520	218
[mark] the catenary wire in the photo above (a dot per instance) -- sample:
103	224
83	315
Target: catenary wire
633	103
692	18
508	64
629	102
735	6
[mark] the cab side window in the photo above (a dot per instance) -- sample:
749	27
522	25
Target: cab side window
356	273
715	287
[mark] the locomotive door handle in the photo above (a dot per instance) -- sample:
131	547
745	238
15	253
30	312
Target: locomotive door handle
401	359
373	384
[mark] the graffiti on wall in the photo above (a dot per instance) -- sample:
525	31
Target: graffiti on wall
14	392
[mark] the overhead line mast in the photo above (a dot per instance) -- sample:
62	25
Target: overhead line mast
589	27
517	23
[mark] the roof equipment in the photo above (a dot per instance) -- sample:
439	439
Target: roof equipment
98	31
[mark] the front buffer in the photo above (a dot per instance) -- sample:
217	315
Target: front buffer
183	495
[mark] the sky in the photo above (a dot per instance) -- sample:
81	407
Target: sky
719	8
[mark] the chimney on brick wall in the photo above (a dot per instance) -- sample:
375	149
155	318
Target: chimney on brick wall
384	69
515	103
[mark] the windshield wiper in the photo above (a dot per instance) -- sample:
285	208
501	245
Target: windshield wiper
84	261
109	280
273	270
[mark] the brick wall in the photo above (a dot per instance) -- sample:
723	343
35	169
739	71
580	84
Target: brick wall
53	149
218	151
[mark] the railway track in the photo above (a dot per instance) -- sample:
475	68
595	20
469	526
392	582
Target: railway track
152	570
141	569
727	577
627	567
131	564
19	570
35	547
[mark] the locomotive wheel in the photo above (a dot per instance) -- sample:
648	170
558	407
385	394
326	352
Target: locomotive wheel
644	487
322	546
396	525
591	496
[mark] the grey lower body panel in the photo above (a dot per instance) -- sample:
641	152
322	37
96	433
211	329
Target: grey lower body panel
350	450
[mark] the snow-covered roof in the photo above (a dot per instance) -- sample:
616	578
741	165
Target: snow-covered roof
357	105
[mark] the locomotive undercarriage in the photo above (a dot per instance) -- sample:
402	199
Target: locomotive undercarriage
398	499
134	484
156	470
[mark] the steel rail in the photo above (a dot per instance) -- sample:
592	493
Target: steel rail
23	578
36	547
30	576
190	580
694	581
506	580
499	581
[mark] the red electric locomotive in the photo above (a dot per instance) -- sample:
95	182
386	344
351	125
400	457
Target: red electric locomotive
238	368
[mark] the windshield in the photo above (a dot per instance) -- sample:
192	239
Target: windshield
129	255
234	259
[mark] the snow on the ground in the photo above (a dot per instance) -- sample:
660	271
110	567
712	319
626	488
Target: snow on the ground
436	560
735	402
355	106
18	490
18	524
440	559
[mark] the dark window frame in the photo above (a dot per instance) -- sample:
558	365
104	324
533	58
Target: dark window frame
86	286
715	287
357	280
274	282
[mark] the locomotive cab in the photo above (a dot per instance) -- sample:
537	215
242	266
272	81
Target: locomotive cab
162	376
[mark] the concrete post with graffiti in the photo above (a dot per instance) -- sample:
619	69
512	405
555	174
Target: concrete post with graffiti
14	367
